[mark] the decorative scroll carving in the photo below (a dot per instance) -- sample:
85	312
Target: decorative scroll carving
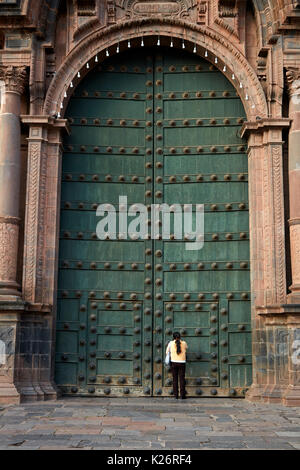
267	230
41	225
14	78
274	268
32	221
165	8
279	221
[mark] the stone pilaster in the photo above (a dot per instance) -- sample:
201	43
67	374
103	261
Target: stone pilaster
292	392
293	78
14	79
34	371
267	210
267	253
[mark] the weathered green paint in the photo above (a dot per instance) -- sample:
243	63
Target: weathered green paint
146	115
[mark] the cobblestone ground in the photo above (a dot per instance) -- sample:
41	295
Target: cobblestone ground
149	423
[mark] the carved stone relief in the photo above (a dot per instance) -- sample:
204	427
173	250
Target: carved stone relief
111	12
202	13
164	8
8	247
293	80
14	78
227	8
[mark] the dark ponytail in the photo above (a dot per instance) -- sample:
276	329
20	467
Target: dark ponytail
176	337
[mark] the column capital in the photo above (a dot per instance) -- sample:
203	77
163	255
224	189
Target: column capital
45	121
262	125
293	80
14	78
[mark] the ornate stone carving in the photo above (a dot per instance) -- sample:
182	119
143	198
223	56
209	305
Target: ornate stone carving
228	8
9	232
14	78
277	178
274	266
41	225
111	12
86	8
267	230
225	15
202	12
293	80
31	237
164	8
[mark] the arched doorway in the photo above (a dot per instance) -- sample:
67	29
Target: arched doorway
159	127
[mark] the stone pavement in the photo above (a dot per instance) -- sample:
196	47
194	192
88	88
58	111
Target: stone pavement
149	423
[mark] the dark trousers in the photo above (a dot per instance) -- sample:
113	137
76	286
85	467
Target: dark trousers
178	369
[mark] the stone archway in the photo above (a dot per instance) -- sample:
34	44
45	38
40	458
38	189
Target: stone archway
208	44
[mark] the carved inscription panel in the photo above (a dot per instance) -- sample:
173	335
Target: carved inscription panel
164	8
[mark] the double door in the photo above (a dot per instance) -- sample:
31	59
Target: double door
156	126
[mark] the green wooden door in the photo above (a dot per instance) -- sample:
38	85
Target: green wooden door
158	127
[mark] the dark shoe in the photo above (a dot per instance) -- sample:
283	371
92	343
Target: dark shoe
183	398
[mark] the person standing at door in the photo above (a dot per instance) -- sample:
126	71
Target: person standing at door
177	349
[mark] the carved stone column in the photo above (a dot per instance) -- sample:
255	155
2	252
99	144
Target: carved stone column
11	305
14	79
293	77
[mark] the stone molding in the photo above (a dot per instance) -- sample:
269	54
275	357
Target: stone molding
262	125
277	311
295	221
15	78
10	220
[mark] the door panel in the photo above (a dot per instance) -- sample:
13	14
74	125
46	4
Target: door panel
156	126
